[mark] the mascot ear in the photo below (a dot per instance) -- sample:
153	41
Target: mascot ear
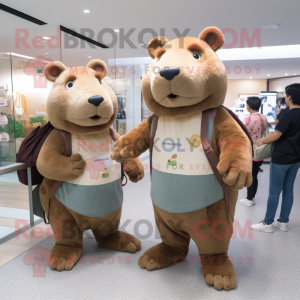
155	44
98	66
213	36
53	70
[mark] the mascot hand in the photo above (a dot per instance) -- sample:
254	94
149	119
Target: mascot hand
123	149
134	168
235	175
76	166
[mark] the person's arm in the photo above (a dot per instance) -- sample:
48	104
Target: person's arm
273	123
270	138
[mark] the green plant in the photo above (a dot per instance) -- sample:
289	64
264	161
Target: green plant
9	117
37	119
15	128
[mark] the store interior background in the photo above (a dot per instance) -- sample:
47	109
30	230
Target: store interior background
251	70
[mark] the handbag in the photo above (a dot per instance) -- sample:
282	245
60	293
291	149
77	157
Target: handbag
264	151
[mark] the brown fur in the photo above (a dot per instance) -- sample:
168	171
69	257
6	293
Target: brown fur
195	93
69	110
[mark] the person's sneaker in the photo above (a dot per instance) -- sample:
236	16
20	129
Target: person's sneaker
281	226
247	202
261	226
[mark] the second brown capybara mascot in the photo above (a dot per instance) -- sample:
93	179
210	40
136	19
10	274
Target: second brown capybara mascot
186	78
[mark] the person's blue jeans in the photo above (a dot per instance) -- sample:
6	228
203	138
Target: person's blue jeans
282	178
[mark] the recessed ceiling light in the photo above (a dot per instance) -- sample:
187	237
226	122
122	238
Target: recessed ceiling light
46	38
47	53
285	74
86	11
295	74
116	30
250	77
268	74
142	44
89	57
271	26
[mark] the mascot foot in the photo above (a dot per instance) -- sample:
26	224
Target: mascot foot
64	257
219	272
120	241
159	256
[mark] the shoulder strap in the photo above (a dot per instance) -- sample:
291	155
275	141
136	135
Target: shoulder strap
209	152
152	135
112	134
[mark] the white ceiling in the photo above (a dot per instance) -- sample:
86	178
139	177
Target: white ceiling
166	15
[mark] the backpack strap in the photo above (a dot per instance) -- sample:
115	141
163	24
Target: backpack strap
209	152
153	131
114	138
68	145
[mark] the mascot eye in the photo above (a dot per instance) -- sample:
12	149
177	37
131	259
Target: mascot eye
69	85
196	56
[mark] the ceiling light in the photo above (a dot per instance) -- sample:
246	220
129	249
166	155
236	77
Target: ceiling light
295	74
268	74
46	38
86	11
116	30
285	74
89	57
271	26
47	53
268	52
250	77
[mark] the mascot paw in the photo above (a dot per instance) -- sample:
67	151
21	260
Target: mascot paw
123	149
64	257
237	177
220	275
121	241
76	166
159	256
134	169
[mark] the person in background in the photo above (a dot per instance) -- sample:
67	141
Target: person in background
284	164
256	124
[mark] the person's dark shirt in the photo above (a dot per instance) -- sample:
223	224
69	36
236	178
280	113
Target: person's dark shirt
283	110
287	147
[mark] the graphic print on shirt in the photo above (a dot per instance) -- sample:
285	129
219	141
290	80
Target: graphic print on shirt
99	168
172	161
177	147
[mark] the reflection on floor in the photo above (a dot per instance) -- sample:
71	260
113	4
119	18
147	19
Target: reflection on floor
266	264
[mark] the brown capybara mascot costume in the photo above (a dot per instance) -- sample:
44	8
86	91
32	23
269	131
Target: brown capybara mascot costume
186	78
91	195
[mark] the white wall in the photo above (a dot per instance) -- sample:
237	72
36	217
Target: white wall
243	86
280	84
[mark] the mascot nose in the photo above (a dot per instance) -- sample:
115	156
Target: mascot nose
96	100
169	73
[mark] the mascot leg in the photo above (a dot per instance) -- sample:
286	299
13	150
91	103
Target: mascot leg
68	236
211	231
108	236
174	246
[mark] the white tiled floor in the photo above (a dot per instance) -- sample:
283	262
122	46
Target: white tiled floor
271	274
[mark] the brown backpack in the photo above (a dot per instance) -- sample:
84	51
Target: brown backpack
209	152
